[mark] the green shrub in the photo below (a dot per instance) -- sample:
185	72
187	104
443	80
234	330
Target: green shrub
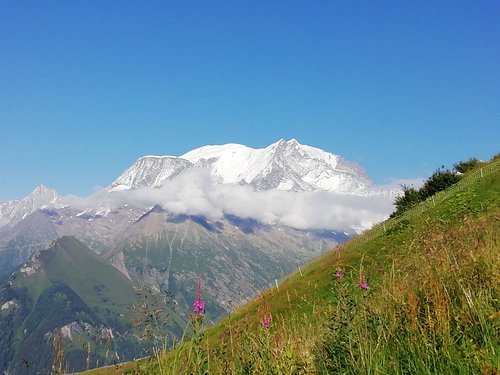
467	165
410	198
439	181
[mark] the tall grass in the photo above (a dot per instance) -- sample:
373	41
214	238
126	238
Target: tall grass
434	312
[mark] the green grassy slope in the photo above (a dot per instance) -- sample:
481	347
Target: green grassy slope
431	305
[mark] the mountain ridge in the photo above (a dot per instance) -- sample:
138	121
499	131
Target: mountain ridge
67	293
283	165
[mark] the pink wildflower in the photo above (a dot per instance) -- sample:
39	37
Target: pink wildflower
267	320
198	307
199	303
363	285
339	274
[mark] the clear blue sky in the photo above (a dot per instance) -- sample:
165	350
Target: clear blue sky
86	87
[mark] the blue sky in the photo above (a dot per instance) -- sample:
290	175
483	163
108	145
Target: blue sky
400	87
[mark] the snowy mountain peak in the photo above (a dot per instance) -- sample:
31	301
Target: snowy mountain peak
283	165
284	143
41	189
43	194
11	212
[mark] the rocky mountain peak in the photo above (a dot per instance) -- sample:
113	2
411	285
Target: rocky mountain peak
43	195
12	212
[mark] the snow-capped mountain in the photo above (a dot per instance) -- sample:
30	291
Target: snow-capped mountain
12	212
284	165
166	238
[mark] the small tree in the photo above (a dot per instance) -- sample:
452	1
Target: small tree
465	166
410	198
439	180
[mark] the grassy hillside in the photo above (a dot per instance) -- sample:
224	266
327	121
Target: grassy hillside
415	295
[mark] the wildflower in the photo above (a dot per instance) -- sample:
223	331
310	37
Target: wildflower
363	285
339	274
267	320
198	306
199	303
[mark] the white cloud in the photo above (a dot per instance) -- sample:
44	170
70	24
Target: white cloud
196	192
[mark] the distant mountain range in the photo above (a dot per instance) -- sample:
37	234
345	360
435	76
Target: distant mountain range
157	248
284	166
30	224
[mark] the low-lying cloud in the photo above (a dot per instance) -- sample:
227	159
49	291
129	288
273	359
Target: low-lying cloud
197	192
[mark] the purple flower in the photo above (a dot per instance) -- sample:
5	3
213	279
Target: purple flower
198	307
339	274
267	320
363	285
199	303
